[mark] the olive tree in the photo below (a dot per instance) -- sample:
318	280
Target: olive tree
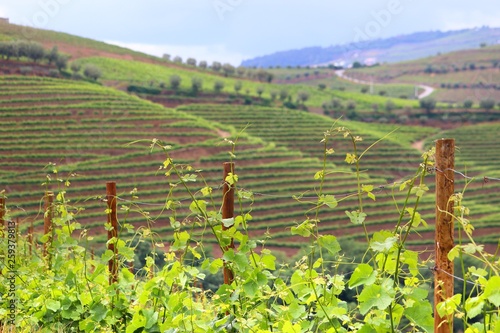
61	62
196	85
283	94
175	81
428	104
259	90
216	66
303	96
218	86
487	104
92	72
237	86
228	69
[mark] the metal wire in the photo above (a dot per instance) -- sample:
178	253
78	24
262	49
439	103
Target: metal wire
435	269
378	188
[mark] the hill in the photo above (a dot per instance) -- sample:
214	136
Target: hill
468	74
394	49
69	132
80	133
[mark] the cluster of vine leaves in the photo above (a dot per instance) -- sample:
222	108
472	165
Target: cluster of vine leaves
67	290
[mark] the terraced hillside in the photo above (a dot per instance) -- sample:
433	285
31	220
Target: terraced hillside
84	129
478	160
470	74
391	160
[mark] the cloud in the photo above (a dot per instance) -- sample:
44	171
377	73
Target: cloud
208	53
3	12
455	20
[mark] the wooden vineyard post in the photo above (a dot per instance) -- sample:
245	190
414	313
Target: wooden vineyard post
47	222
228	213
30	238
113	231
445	188
2	219
2	215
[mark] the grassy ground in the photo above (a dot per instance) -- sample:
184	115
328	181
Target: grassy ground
140	73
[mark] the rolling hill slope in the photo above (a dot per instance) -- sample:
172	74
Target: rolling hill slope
394	49
58	130
469	74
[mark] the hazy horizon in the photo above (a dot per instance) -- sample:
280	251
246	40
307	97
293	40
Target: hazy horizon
234	30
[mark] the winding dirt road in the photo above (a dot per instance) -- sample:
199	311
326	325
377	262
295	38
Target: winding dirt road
427	89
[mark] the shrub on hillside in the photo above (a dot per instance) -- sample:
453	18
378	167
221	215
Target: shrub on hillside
196	85
216	66
428	104
274	94
143	90
92	72
228	69
336	103
61	62
302	96
351	105
487	104
237	86
175	81
52	55
283	94
240	71
259	91
75	67
389	105
468	104
218	86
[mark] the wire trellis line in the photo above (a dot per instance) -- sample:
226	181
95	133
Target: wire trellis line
435	269
376	189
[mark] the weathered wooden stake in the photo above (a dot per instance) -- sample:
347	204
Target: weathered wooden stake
47	221
445	188
228	213
30	238
2	216
131	268
113	232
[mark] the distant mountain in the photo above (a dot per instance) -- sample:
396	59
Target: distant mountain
394	49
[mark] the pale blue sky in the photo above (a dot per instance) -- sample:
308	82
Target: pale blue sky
232	30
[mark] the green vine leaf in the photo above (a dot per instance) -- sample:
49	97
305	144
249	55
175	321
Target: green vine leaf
356	217
52	305
492	291
420	314
328	200
383	241
304	229
378	296
363	275
330	243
